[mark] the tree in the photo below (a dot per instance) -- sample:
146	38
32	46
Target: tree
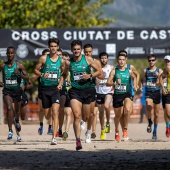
52	13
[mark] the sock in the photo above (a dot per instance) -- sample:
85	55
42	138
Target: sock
60	129
88	131
50	126
78	139
155	127
167	124
150	121
10	130
125	128
41	123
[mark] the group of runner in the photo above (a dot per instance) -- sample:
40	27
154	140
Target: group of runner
80	87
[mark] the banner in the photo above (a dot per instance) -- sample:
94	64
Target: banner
138	42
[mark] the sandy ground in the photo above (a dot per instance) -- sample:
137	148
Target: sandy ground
35	151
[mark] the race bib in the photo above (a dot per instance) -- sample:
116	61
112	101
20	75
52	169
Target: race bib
11	81
78	76
52	75
150	84
120	87
103	82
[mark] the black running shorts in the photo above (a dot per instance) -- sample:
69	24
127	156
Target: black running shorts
14	94
24	99
118	99
101	98
155	96
82	95
165	100
50	95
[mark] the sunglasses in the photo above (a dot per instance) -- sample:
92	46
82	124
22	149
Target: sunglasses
151	60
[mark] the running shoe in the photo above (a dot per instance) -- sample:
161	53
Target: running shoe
19	139
167	132
10	135
117	137
50	131
154	136
83	125
78	145
59	134
65	136
103	135
93	135
149	128
54	141
40	130
17	125
125	135
107	130
88	138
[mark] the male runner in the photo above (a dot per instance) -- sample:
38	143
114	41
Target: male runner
52	70
153	93
13	72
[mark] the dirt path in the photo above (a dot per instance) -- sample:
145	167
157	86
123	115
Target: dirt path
35	152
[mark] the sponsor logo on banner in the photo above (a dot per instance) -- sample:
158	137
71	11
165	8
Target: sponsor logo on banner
111	48
22	51
135	50
2	52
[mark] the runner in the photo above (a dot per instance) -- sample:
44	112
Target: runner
120	78
104	96
88	51
165	83
153	93
24	98
131	67
41	110
81	91
52	70
65	107
12	91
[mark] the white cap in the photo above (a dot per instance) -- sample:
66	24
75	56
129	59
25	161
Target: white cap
167	57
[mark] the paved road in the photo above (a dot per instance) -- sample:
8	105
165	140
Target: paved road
35	152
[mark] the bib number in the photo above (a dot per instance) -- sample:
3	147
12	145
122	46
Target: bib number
78	76
52	76
120	87
151	84
103	82
11	81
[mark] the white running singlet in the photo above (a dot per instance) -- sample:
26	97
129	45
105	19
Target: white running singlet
101	87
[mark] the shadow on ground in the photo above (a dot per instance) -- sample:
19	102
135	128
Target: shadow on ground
99	159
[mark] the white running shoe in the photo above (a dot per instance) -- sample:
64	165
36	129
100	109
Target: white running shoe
19	139
54	141
83	125
88	138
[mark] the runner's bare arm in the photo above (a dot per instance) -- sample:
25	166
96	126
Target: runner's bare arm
161	78
39	65
158	75
93	64
24	74
133	75
111	78
136	73
101	76
142	79
64	73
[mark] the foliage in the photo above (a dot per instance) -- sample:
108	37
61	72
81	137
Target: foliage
140	65
52	13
